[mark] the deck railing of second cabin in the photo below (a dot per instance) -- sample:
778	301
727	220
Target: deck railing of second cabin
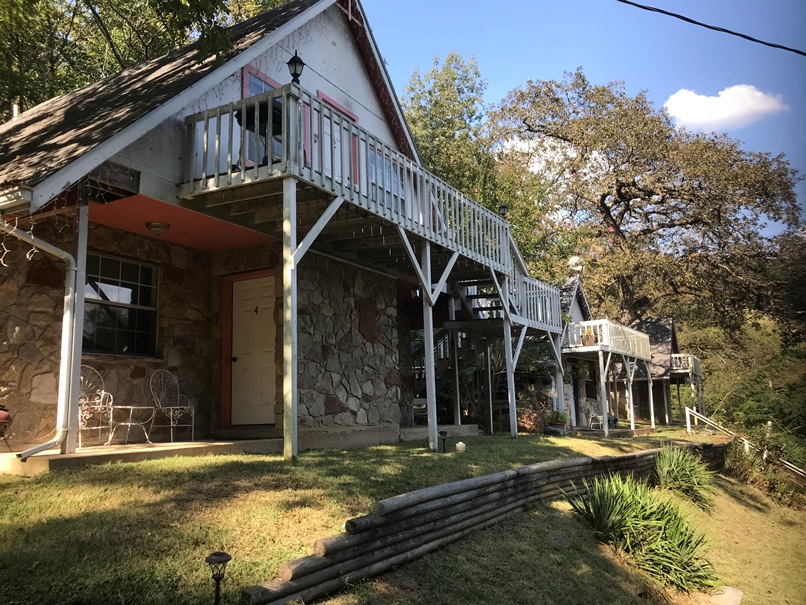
610	336
686	363
230	146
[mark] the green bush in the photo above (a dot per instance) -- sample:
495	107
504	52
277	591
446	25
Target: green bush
653	531
684	473
751	467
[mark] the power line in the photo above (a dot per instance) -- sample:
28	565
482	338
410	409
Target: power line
713	27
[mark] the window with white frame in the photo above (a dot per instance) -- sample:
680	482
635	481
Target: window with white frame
256	83
120	308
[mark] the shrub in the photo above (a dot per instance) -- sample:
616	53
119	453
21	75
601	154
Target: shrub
653	531
683	472
751	467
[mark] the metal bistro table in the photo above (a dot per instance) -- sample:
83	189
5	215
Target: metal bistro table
128	412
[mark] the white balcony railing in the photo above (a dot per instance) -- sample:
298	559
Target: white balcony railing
686	363
289	131
608	336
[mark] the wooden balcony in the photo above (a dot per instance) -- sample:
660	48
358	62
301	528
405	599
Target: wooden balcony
608	336
686	364
238	154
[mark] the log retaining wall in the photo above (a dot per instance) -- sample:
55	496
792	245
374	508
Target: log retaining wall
410	525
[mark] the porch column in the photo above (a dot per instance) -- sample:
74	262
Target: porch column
701	388
290	392
488	385
428	337
513	412
629	396
651	400
603	393
666	396
559	380
455	335
71	441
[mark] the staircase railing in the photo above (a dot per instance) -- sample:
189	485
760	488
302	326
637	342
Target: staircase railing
748	445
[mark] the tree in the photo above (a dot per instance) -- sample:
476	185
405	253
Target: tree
445	111
673	218
49	47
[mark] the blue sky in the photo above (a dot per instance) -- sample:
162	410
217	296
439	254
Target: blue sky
517	40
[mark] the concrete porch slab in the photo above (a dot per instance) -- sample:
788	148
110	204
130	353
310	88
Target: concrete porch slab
49	460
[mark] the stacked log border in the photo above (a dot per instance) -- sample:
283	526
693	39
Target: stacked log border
408	526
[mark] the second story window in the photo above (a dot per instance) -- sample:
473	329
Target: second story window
256	83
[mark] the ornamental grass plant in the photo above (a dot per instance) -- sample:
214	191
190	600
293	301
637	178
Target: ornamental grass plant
652	530
684	473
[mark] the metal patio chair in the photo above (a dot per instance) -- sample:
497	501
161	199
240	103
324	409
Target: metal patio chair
94	403
169	403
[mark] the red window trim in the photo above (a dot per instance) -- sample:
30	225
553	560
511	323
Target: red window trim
354	117
248	69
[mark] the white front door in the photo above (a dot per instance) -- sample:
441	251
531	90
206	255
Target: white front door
253	333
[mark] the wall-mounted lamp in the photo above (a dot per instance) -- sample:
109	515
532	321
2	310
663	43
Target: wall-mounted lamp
157	227
295	67
503	210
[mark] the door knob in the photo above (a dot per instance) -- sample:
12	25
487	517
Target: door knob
234	359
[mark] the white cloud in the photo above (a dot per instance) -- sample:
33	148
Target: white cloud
735	107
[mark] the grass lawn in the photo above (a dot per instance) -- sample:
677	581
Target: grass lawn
138	532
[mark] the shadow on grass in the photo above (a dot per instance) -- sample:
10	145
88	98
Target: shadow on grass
736	490
543	556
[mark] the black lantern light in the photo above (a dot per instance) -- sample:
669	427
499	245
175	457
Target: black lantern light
503	210
295	67
218	564
443	436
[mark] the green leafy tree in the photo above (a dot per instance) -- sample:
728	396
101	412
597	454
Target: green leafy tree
445	111
49	47
672	218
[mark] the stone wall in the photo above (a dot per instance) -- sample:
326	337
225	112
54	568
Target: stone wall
31	309
348	347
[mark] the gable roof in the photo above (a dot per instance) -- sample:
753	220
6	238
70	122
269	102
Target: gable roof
50	136
662	342
571	290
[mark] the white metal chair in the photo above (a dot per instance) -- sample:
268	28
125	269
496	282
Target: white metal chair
596	422
170	403
94	403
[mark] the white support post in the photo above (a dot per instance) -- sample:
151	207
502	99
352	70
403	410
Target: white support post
290	392
630	406
679	403
510	369
488	384
666	396
559	379
651	395
428	335
603	393
457	402
688	420
694	398
69	444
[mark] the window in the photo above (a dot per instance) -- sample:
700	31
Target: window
120	309
255	83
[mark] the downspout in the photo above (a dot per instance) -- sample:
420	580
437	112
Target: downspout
65	362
